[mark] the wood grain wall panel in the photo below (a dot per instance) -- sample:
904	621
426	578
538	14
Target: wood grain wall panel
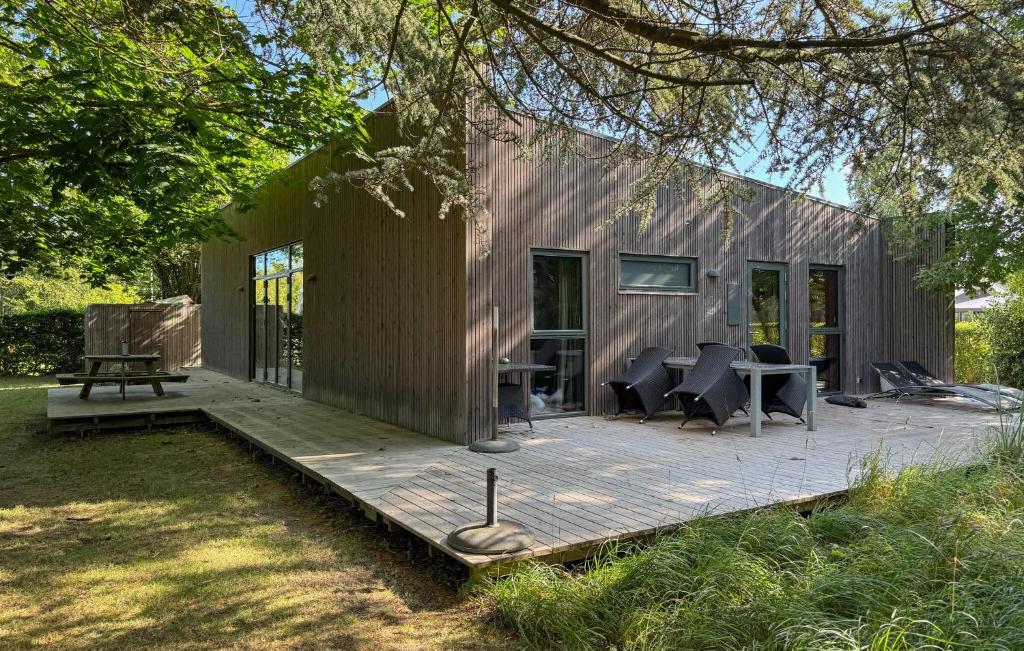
398	318
916	325
384	321
534	205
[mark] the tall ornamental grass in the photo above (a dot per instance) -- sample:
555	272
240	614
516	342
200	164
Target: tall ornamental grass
929	557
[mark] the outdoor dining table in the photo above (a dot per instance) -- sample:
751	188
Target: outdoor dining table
95	362
756	370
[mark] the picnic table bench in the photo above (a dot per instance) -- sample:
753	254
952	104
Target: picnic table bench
122	377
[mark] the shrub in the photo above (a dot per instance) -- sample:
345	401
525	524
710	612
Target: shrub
42	343
1006	330
973	353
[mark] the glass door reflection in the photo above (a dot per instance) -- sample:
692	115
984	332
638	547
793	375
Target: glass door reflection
277	316
559	335
766	305
825	330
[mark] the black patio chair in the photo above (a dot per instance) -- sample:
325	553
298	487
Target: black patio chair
924	377
783	394
712	390
511	403
904	384
644	384
702	344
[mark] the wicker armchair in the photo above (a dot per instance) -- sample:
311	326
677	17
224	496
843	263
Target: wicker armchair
644	384
784	394
712	390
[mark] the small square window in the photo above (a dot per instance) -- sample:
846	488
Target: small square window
656	274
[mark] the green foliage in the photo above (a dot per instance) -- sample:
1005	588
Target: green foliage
1006	327
41	343
973	363
34	292
792	88
124	125
928	557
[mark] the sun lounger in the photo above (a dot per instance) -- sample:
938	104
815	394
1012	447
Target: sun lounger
923	376
898	382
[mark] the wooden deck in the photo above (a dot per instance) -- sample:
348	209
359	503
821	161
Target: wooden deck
577	482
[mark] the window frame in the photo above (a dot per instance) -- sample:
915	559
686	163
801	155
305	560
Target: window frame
838	330
582	333
689	290
584	311
254	279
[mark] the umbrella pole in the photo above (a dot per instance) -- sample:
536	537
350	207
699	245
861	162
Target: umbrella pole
494	444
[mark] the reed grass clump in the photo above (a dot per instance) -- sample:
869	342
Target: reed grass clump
928	557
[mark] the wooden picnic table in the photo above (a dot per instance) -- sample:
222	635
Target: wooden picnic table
756	370
95	362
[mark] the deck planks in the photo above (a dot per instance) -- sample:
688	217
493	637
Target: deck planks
577	482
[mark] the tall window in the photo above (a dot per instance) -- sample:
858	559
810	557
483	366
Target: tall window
277	316
558	337
825	330
766	307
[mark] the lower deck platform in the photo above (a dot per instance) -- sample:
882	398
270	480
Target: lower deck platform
576	482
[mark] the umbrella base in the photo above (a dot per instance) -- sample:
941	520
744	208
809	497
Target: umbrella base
493	446
504	537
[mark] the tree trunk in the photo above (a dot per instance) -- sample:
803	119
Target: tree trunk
177	270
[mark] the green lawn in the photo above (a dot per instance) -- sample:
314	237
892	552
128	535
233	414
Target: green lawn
930	558
180	539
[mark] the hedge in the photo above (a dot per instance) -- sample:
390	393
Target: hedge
42	343
973	363
1005	324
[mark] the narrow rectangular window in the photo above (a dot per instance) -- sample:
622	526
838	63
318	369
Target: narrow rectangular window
657	274
559	335
825	326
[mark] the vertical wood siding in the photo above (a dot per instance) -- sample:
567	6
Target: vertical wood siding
172	331
536	205
384	305
916	325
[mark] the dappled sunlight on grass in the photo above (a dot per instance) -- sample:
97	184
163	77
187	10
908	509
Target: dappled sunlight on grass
178	538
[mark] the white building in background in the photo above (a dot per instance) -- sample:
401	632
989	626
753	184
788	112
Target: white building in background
970	304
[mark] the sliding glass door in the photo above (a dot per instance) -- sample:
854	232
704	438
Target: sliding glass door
277	316
825	329
559	333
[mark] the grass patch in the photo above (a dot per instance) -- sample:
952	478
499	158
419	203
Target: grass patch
930	557
179	539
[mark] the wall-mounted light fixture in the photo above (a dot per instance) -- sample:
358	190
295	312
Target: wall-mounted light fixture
311	278
712	273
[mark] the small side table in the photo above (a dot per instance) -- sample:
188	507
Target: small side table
513	398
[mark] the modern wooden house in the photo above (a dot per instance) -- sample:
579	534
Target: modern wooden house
390	317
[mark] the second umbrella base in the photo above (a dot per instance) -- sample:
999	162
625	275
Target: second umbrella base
494	445
504	537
